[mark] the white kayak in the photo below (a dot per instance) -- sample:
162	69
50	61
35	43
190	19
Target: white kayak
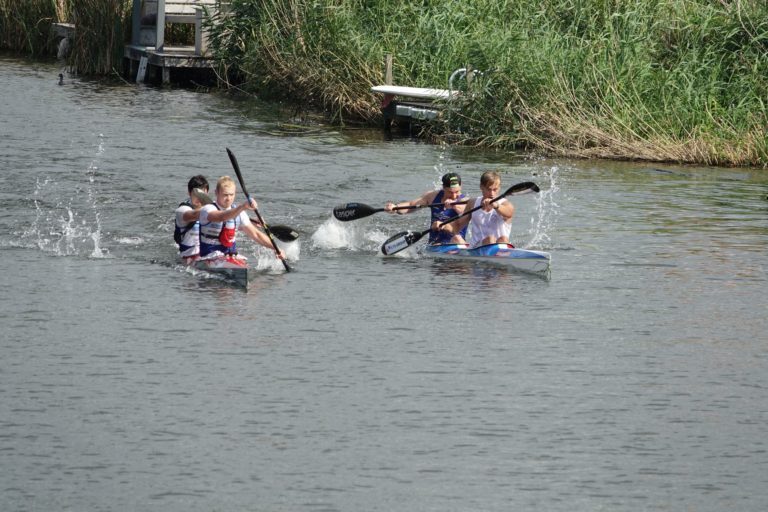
233	268
504	254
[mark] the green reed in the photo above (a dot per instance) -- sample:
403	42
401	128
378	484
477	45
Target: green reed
666	80
25	25
102	27
676	80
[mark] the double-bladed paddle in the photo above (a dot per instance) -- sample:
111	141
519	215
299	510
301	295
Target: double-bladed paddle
354	211
236	166
281	232
405	239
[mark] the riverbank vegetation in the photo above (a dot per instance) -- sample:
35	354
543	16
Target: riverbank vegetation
666	80
25	25
97	47
661	80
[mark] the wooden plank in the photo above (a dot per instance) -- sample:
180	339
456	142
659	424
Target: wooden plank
142	70
186	7
414	92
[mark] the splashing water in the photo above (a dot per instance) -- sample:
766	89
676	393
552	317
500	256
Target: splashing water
333	234
439	167
69	233
95	235
544	220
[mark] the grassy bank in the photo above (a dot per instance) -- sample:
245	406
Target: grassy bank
101	28
660	80
25	25
663	80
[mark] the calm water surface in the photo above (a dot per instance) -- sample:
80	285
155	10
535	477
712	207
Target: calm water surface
635	378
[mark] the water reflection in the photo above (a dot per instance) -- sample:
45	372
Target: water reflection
478	276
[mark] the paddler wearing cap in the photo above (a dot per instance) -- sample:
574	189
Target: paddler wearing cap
445	200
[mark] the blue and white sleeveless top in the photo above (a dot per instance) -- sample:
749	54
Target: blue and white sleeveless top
441	214
211	232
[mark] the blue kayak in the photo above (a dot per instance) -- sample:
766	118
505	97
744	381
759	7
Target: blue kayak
504	254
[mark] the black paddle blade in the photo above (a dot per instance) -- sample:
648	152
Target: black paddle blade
401	241
236	167
284	233
354	211
201	196
522	188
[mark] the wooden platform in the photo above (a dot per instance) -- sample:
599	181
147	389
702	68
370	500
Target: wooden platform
171	57
412	103
148	55
415	92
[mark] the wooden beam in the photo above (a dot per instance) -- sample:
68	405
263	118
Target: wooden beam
160	39
136	22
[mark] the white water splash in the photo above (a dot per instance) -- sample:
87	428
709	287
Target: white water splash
264	258
62	229
353	236
440	167
543	222
95	235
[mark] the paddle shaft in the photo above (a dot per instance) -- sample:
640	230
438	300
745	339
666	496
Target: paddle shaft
236	167
411	207
354	211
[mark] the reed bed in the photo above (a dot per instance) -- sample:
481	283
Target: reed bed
102	29
25	25
663	80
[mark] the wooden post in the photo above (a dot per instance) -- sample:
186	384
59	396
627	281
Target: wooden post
141	73
160	39
136	22
388	70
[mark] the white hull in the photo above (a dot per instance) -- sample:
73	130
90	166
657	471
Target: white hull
537	262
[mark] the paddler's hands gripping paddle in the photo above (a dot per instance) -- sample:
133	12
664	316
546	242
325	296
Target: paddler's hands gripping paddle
236	166
281	232
405	239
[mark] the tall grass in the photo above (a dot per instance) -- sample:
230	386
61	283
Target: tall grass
25	25
102	27
676	80
667	80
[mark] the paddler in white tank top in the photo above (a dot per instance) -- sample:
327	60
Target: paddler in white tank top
492	223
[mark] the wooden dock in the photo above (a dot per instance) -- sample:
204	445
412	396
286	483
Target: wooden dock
145	63
406	106
148	57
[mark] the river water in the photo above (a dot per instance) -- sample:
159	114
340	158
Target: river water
634	378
